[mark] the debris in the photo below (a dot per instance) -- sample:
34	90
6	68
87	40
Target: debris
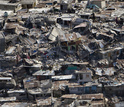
65	53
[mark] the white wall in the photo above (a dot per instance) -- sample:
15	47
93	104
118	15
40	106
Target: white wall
86	77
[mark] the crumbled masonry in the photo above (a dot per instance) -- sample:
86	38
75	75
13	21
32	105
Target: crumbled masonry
61	53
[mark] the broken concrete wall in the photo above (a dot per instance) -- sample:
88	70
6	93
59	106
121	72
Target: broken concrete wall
2	42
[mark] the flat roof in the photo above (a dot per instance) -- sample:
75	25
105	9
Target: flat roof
90	96
83	71
16	91
44	101
44	73
16	104
5	78
63	77
3	99
72	96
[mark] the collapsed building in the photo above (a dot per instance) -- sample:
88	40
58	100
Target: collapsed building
66	53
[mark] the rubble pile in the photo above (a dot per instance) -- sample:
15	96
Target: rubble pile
66	53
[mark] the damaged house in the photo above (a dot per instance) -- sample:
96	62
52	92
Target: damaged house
93	100
65	5
65	53
83	76
28	4
70	42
